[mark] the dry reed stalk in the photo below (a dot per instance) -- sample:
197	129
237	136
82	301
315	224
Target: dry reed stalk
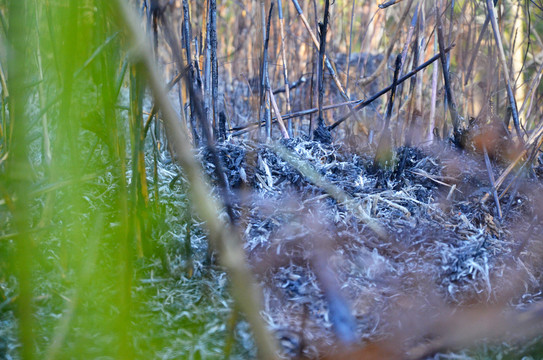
476	50
350	47
214	63
446	77
531	93
433	98
328	63
510	95
369	79
265	113
405	49
323	27
224	239
385	153
333	190
360	104
492	182
208	98
282	127
284	59
531	141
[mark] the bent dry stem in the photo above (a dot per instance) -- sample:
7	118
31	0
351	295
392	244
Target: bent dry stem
231	254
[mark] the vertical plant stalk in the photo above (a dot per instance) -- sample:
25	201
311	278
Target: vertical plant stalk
501	53
517	57
350	48
433	99
41	92
18	168
384	152
264	78
410	31
446	78
195	95
208	110
282	127
531	93
476	49
328	63
420	79
492	182
222	237
153	17
323	27
368	79
139	193
187	35
214	63
411	112
284	59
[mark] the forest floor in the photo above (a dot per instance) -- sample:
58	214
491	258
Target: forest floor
404	252
401	257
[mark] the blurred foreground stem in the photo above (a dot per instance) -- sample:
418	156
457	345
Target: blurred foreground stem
225	240
18	168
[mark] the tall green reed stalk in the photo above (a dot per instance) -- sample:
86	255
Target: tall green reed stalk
74	211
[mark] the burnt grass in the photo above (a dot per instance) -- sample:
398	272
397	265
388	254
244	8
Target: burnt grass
329	280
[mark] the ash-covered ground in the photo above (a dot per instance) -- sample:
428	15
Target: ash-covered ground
424	246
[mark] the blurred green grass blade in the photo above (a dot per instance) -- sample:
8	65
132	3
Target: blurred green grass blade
18	167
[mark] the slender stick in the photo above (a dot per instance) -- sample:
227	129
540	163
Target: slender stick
492	182
369	79
214	62
221	236
433	99
445	69
531	140
333	190
282	127
207	77
510	94
533	86
264	107
350	47
327	61
363	103
359	104
476	49
284	58
322	49
384	154
186	36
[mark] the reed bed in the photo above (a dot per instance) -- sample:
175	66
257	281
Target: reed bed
270	179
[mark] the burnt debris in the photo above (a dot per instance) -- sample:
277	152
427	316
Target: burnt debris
328	277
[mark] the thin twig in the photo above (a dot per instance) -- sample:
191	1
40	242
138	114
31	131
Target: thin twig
359	104
446	78
510	95
492	182
284	58
531	140
320	65
327	61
